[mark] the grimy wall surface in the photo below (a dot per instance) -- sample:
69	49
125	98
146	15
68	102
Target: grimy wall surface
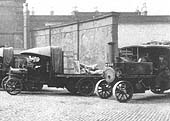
84	41
11	23
94	36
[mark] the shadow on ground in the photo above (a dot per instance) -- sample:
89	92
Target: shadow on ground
150	98
48	92
141	98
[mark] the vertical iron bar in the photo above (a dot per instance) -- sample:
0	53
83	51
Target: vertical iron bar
137	53
78	40
51	67
50	36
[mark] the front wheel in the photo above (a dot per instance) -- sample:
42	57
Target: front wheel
3	83
13	86
103	89
123	91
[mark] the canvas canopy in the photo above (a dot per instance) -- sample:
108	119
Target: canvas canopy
147	46
54	52
136	52
57	60
44	51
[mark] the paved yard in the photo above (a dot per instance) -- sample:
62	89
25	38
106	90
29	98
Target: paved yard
59	105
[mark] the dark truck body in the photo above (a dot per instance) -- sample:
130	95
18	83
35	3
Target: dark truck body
51	73
127	76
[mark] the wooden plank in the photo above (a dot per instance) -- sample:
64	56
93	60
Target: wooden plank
68	68
77	75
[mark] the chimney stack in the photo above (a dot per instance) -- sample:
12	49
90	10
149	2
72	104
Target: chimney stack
144	11
51	12
32	11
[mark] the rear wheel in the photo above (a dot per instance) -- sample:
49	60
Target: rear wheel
103	89
13	86
72	90
86	87
38	87
29	86
71	87
123	91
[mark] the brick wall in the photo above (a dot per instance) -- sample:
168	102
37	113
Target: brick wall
86	41
94	37
11	23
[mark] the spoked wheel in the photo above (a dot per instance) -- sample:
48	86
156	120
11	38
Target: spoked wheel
123	91
3	83
86	87
103	89
13	86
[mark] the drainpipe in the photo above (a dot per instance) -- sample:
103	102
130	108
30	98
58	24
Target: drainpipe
26	32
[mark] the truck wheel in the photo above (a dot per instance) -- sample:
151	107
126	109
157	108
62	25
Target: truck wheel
3	83
123	91
71	87
13	86
32	87
103	89
27	87
38	87
86	87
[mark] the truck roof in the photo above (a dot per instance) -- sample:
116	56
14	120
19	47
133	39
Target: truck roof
147	46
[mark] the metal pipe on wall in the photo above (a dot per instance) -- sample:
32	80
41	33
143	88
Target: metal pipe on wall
50	36
78	41
26	14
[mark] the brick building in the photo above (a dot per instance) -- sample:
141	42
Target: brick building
133	27
86	41
11	23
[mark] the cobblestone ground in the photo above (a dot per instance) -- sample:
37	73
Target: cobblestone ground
59	105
